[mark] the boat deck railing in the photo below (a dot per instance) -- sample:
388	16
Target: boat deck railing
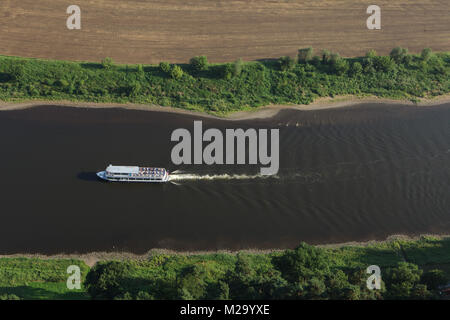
143	172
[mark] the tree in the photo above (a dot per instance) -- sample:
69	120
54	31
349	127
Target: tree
336	282
142	295
107	63
237	67
398	54
191	283
420	292
218	291
371	54
426	54
165	67
334	57
340	66
286	63
305	55
407	60
140	73
104	279
9	297
401	281
316	61
326	57
199	63
358	279
434	278
369	61
134	88
240	278
315	288
384	63
227	71
16	71
245	282
176	72
356	68
302	263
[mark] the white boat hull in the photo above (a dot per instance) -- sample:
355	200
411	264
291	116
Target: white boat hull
102	175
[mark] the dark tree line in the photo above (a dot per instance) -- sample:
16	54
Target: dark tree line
302	273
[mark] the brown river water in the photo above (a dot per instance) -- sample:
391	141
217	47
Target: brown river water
351	174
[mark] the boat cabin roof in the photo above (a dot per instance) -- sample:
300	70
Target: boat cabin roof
122	169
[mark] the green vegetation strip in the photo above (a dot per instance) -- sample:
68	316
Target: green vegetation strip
410	269
227	87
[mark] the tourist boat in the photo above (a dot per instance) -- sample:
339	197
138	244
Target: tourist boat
134	174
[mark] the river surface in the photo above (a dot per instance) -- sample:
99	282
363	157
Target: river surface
350	174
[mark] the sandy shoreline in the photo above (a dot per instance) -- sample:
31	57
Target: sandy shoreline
258	113
92	258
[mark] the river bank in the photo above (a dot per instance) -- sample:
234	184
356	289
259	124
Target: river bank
92	258
254	113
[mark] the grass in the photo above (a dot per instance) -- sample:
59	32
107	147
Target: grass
39	279
32	278
220	90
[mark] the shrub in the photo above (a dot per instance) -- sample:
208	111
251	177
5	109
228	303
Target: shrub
176	72
371	54
165	67
302	263
340	66
218	291
398	54
434	278
316	61
356	68
191	283
334	57
426	54
104	279
62	83
142	295
107	63
286	63
199	63
9	297
237	67
369	61
326	56
402	280
227	71
15	71
305	55
384	63
407	60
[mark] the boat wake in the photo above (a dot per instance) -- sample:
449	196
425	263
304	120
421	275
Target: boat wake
191	176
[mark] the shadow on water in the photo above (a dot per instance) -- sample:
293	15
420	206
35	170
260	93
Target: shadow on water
89	176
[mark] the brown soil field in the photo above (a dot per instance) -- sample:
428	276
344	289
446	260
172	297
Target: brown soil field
150	31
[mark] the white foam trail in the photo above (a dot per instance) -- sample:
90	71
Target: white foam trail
190	176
